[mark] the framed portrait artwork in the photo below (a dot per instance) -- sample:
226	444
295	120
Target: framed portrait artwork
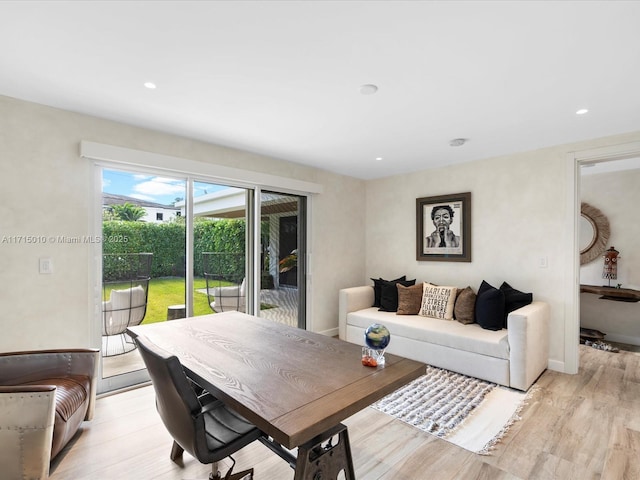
443	226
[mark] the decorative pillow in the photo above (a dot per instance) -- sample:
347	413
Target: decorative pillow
409	299
438	302
489	307
513	299
377	288
389	294
465	307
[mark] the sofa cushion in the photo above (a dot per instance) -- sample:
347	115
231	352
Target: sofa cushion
471	338
465	306
438	301
490	307
409	299
389	294
513	300
377	288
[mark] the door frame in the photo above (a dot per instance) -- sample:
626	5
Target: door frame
574	161
108	156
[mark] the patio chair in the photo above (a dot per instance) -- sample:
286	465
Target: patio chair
126	281
220	270
125	308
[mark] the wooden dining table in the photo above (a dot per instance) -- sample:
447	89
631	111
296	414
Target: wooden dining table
295	385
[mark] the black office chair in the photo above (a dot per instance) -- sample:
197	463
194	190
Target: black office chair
201	425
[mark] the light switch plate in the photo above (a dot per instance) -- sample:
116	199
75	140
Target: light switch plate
46	266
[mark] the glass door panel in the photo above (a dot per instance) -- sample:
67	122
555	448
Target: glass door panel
143	264
283	249
219	248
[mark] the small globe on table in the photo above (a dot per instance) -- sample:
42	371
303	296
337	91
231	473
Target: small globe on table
377	338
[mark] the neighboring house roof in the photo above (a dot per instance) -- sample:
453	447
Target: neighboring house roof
109	199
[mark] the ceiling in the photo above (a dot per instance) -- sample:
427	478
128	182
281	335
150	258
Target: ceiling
283	78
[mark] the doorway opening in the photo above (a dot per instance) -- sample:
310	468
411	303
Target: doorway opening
609	285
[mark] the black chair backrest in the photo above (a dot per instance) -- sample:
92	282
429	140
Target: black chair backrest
176	401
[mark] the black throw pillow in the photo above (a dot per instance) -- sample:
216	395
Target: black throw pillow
377	288
389	294
490	307
513	299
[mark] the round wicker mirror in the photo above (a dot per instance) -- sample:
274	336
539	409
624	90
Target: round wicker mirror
594	233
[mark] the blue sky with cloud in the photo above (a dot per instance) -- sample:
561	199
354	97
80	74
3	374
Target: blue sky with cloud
153	188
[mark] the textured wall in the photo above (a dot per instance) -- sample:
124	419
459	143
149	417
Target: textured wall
46	190
519	216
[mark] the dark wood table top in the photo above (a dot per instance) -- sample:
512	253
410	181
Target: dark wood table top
612	293
291	383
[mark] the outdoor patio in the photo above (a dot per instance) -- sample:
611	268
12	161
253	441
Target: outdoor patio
285	311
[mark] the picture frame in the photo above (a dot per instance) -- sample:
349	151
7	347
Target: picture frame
443	228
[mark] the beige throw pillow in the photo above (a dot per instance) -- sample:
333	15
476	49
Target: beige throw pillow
438	302
409	299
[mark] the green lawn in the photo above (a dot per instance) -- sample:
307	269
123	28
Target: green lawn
164	292
167	291
170	291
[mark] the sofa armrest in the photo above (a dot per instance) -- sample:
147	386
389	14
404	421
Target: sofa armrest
351	300
26	429
32	366
528	332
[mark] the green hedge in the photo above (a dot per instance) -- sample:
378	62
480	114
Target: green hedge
167	243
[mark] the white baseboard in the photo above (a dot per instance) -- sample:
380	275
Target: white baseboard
556	366
332	332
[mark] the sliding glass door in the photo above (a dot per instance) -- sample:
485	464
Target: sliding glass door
177	247
174	247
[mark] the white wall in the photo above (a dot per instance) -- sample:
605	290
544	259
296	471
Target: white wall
359	229
46	190
519	215
617	195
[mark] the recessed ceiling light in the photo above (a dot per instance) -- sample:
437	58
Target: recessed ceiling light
150	85
378	158
458	142
582	111
368	89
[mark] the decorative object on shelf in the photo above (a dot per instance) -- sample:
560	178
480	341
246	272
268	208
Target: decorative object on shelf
594	233
610	269
377	338
443	227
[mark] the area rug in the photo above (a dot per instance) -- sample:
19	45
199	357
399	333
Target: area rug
468	412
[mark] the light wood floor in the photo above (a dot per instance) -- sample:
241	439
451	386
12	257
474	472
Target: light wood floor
584	426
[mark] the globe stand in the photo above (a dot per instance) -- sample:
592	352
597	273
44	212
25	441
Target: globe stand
379	356
372	357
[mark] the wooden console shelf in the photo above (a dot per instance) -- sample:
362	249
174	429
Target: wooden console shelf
612	293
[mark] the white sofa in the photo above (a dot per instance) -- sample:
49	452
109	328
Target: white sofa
514	357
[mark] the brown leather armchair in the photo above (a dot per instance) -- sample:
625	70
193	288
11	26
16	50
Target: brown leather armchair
40	389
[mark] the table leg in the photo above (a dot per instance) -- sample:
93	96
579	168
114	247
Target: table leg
320	459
